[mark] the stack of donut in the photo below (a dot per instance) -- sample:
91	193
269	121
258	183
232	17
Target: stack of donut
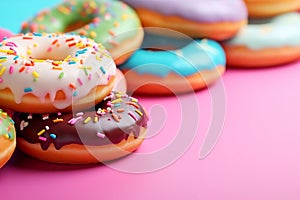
60	88
197	62
271	37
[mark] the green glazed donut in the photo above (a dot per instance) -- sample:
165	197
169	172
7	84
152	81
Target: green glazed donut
112	23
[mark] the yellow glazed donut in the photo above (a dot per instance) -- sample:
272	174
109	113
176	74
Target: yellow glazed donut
45	73
111	23
269	8
7	137
115	128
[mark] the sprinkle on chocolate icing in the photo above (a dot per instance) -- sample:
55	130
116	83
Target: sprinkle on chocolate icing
114	119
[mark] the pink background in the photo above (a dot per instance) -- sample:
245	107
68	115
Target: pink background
256	157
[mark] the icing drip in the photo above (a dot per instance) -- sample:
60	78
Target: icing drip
112	121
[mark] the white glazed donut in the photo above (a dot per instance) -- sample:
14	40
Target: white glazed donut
42	73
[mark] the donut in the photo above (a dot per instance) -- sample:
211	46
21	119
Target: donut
5	34
114	128
270	8
111	23
152	70
218	19
7	137
265	42
43	73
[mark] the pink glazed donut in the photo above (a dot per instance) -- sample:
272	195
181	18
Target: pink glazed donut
4	34
217	19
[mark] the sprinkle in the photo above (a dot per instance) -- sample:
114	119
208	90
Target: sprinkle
49	49
79	114
43	138
120	110
93	34
96	119
22	69
72	86
131	114
53	136
58	120
139	112
11	69
29	89
133	104
134	99
87	120
35	74
54	42
57	68
116	101
61	75
80	81
112	33
45	117
72	44
37	34
59	114
103	70
2	71
1	80
100	135
74	120
115	117
75	93
27	38
72	62
41	132
16	57
117	105
69	39
47	128
29	116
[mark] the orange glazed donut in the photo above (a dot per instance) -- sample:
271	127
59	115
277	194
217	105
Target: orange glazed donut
115	129
269	8
7	137
45	73
217	19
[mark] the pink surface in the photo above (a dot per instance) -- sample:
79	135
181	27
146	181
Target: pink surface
256	157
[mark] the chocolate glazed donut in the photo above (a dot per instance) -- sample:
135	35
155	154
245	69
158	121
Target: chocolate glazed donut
118	119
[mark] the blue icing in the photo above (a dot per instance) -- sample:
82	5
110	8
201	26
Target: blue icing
20	11
198	55
282	30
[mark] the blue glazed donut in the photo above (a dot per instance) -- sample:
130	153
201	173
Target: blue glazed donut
192	65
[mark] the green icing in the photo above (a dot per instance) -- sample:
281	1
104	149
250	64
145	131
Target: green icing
107	22
6	126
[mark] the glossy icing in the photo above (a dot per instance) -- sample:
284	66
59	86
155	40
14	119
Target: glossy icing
107	22
7	129
282	30
42	64
198	55
112	121
198	10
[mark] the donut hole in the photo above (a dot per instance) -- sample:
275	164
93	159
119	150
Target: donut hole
52	53
78	24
